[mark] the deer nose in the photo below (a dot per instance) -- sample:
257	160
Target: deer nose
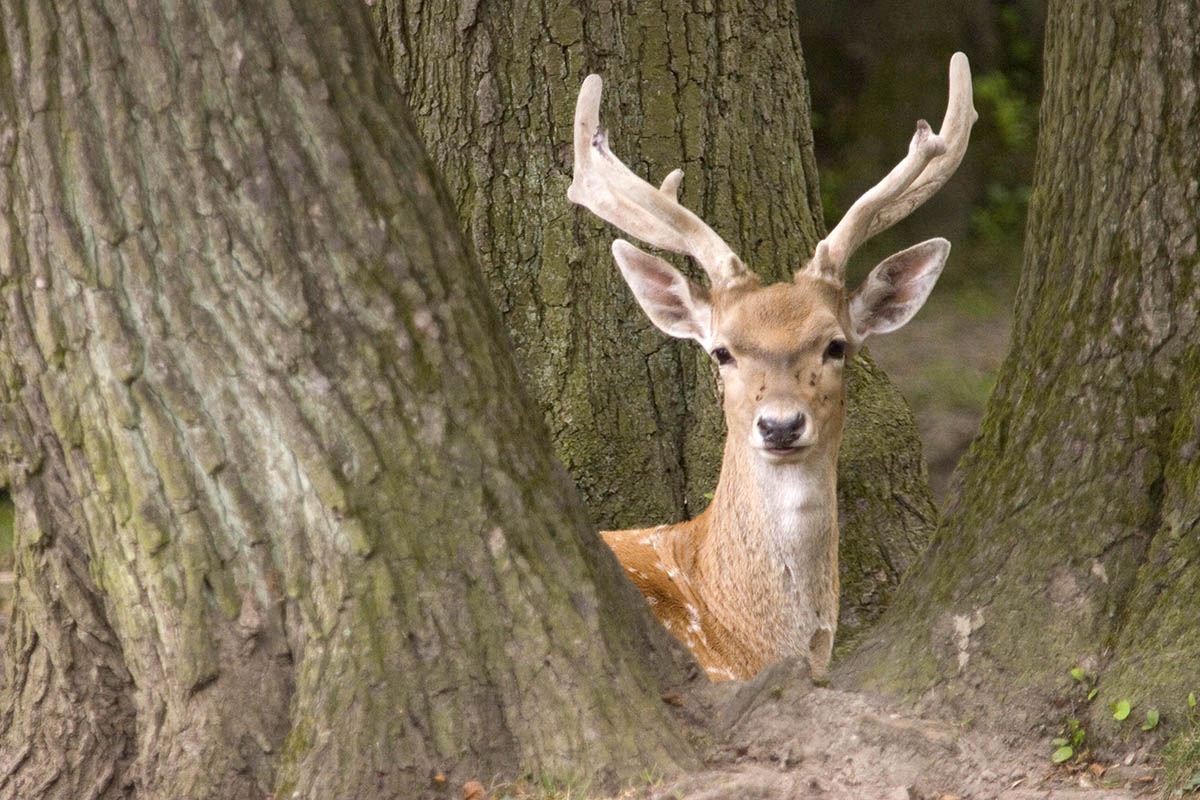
782	433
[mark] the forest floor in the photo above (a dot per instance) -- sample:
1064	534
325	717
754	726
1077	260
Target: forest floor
779	737
945	363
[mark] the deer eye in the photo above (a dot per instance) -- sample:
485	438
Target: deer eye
836	350
722	355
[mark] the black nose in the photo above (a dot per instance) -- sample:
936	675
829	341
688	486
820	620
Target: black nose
781	432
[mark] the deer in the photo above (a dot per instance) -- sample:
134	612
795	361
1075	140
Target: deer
753	579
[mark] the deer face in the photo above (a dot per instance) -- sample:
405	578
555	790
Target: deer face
781	349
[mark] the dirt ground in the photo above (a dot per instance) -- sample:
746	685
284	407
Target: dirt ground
945	363
779	737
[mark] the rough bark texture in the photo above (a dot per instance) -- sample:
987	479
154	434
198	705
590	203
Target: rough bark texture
287	521
1073	536
720	92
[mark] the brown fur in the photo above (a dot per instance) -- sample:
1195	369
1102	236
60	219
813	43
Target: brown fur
745	584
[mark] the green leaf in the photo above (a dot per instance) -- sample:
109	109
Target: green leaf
1151	720
1092	694
1077	674
1059	742
1191	699
1121	710
1193	784
1078	736
1062	754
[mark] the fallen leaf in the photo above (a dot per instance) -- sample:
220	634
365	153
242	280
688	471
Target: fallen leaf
671	698
473	790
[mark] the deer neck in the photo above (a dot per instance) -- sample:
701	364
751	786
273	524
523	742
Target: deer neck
768	560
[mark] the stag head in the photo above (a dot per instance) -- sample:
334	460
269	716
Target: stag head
781	349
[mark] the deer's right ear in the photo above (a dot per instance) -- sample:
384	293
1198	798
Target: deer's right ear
675	304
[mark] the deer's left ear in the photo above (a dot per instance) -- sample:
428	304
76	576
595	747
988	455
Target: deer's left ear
896	289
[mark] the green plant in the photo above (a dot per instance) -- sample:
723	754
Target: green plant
1069	742
1087	680
1014	115
1121	710
1181	756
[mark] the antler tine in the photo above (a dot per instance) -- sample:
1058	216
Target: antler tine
930	162
610	190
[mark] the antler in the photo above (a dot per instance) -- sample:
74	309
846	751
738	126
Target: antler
931	160
611	191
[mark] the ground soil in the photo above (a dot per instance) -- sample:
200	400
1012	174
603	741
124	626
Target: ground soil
779	736
945	363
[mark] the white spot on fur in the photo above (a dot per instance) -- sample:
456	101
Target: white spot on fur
694	623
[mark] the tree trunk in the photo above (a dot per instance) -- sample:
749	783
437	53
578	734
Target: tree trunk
287	521
1073	535
721	93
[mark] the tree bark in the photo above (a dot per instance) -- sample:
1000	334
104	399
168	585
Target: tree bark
721	93
1072	538
286	520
